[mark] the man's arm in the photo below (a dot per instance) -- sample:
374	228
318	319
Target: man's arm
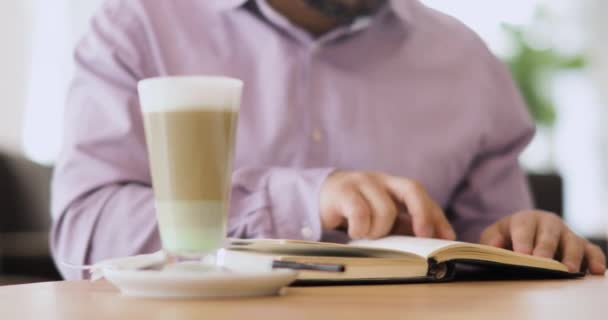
102	197
493	204
495	185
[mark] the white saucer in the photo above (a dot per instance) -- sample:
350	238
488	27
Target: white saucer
210	284
155	276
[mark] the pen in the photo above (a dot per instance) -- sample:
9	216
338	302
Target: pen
278	264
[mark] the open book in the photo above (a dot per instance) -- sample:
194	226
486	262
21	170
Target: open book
391	259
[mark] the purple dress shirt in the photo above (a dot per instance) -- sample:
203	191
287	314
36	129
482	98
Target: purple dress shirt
408	92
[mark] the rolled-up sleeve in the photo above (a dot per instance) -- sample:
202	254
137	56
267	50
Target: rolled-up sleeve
495	185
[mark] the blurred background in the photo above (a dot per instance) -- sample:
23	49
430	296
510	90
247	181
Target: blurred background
557	51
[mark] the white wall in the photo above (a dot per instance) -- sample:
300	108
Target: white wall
599	29
14	57
56	29
599	38
52	28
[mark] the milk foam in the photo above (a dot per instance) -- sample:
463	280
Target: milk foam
167	94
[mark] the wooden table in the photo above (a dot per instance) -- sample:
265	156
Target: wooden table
562	299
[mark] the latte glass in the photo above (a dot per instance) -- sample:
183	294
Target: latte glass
190	126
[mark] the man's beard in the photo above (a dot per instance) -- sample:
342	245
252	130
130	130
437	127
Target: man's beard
342	12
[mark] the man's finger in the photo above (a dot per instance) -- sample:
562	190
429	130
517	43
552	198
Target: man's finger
596	260
523	231
548	231
413	197
572	250
383	209
403	225
357	212
495	236
444	228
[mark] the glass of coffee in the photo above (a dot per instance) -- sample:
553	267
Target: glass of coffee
190	125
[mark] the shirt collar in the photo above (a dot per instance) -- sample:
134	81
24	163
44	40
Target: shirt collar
225	5
402	8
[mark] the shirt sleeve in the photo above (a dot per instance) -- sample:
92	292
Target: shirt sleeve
495	185
102	199
276	203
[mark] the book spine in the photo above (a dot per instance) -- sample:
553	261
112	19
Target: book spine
440	271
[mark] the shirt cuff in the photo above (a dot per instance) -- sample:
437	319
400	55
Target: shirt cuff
294	197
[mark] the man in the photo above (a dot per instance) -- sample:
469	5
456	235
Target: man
360	118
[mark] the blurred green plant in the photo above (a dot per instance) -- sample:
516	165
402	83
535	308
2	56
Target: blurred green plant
530	68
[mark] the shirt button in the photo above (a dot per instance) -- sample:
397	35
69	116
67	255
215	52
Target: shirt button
317	136
306	232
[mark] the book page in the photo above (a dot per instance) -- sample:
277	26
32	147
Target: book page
445	250
420	246
296	247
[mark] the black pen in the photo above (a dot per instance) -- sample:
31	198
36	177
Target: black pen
278	264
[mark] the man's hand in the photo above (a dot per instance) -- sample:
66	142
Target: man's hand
545	234
372	205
